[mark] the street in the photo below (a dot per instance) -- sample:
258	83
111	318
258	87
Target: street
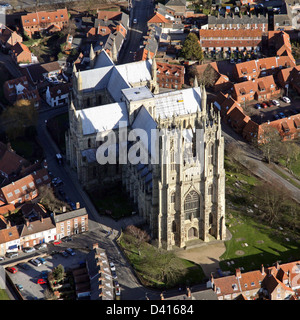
141	11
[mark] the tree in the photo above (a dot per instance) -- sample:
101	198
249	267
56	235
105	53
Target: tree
48	199
58	273
191	49
141	236
290	152
269	143
17	118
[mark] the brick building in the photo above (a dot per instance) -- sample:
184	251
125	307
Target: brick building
170	75
71	222
21	53
230	39
38	21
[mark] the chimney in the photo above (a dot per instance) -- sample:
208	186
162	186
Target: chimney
77	205
8	224
64	209
238	273
212	280
27	222
95	245
262	269
277	265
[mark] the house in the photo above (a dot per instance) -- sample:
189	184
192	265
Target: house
38	73
71	222
150	43
38	21
24	189
21	53
289	77
259	89
100	278
179	7
10	162
254	69
209	75
6	209
58	95
170	75
8	37
279	282
168	25
9	239
33	232
19	89
237	22
230	40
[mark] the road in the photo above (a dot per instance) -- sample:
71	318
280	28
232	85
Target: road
142	10
258	166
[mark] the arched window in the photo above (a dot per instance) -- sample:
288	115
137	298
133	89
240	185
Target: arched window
192	205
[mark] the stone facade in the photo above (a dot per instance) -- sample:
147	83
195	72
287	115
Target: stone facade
180	201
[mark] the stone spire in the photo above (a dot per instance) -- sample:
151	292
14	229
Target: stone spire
74	68
79	81
92	57
196	82
148	55
154	70
114	52
203	100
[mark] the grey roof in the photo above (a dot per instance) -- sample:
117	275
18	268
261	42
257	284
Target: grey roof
244	19
116	37
136	94
207	294
176	3
99	275
69	215
103	60
282	20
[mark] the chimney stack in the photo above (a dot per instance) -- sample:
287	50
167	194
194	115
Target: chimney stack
262	269
64	209
95	245
238	273
77	205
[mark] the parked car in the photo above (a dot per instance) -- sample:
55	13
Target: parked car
41	246
42	260
41	281
11	254
70	251
64	254
24	266
134	21
258	106
293	111
28	249
118	291
57	182
269	103
44	274
114	275
276	103
286	99
66	239
35	262
112	266
116	283
57	242
1	258
276	117
264	105
19	286
12	269
281	115
232	61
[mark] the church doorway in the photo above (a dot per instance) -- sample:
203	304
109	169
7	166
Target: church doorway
192	233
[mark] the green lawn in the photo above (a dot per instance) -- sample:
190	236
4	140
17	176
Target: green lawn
190	273
3	295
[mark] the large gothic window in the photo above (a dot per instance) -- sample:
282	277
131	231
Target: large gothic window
192	205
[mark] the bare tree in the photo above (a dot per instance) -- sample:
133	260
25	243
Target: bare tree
141	236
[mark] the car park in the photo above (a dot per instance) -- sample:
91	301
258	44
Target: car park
28	249
70	251
12	269
286	99
35	262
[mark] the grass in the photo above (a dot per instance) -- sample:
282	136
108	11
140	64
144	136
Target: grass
191	273
265	244
3	295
